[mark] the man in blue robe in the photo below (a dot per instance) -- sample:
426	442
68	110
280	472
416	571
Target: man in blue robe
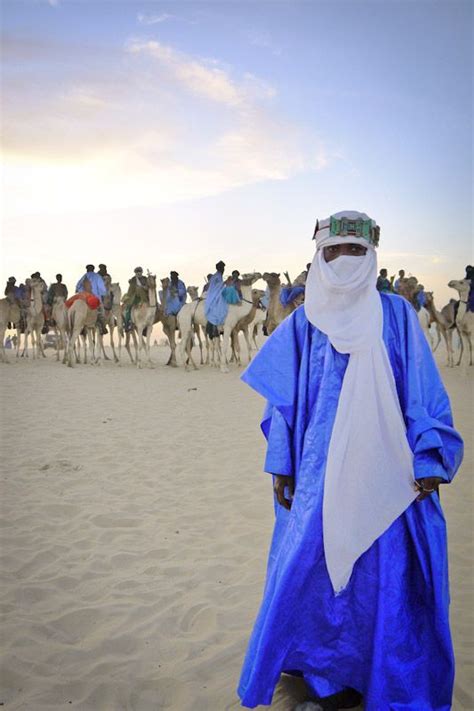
215	306
175	295
359	436
99	289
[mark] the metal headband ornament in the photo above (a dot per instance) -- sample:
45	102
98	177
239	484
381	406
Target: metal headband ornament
345	227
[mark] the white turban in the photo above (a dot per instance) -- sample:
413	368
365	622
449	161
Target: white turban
369	470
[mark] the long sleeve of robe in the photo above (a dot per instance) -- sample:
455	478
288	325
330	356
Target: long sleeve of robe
387	634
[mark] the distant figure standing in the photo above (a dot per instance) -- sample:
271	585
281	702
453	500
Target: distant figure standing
401	278
383	282
215	307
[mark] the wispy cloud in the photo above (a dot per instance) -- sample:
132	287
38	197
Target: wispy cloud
125	138
204	77
144	19
263	39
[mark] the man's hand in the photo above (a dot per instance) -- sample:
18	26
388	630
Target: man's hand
279	484
427	486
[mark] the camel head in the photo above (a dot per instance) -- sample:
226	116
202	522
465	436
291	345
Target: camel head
462	286
249	279
165	283
151	281
35	284
116	291
272	278
193	292
257	294
429	297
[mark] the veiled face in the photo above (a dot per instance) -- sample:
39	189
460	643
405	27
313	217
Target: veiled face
350	249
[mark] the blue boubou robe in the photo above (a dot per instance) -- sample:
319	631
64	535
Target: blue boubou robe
387	634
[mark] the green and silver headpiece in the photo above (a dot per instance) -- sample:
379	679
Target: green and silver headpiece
348	224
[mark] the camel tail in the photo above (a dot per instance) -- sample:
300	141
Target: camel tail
71	320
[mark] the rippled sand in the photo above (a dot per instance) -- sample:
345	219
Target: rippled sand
136	521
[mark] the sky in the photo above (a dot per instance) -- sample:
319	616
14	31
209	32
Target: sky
171	135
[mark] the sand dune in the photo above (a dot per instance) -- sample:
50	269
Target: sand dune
136	522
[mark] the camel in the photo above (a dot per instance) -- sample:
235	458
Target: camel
464	318
143	317
235	313
424	319
82	317
276	311
445	320
113	318
61	325
243	326
193	292
170	323
407	289
34	319
195	315
191	319
9	313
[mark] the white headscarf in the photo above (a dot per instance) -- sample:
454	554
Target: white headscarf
369	470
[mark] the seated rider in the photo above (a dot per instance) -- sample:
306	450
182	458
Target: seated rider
292	294
15	296
230	292
137	294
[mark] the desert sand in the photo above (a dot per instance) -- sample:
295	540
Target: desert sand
136	523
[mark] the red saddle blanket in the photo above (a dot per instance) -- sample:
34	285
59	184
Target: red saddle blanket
93	302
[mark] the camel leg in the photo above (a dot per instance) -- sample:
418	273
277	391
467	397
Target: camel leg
71	355
439	338
224	359
189	352
140	346
461	346
449	345
254	336
120	335
173	361
148	346
40	343
33	344
57	335
206	341
112	329
127	346
65	345
197	331
25	344
98	345
247	343
90	344
18	339
3	354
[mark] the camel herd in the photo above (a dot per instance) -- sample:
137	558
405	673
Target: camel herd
76	328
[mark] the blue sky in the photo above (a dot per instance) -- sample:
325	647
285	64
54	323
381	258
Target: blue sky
175	134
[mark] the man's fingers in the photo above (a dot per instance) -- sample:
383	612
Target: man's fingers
280	494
